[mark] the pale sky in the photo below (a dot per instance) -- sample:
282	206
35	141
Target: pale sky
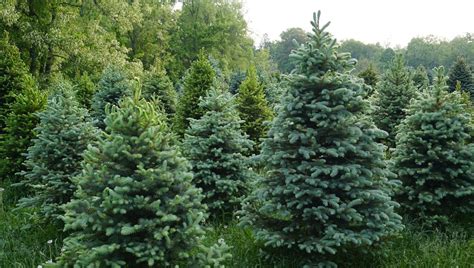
389	22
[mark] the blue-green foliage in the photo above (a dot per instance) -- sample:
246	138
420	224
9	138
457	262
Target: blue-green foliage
325	187
215	146
112	86
434	156
135	205
63	133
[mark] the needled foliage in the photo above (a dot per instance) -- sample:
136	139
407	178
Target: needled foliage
198	81
135	205
434	157
325	187
85	90
370	77
461	71
19	131
112	86
14	77
392	97
63	133
215	145
253	108
158	86
420	78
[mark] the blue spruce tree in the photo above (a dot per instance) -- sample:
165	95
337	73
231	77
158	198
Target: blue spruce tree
54	158
434	156
215	145
325	187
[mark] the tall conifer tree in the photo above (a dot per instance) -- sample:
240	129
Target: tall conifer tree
392	97
19	130
253	108
462	72
159	87
112	86
326	185
215	145
63	133
135	205
198	81
434	157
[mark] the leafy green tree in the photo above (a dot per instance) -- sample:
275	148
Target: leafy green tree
392	97
370	77
253	108
461	72
14	77
135	205
218	27
158	86
112	86
198	81
63	133
69	36
19	131
215	146
420	78
434	157
280	51
325	187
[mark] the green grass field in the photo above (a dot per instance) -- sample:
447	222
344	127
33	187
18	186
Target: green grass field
26	244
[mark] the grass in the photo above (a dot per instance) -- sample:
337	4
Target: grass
24	243
453	247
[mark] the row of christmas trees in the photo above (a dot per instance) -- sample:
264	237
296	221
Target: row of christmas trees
130	192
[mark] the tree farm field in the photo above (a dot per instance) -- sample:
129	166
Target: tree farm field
215	133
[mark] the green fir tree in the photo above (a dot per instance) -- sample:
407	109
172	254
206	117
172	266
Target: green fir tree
434	157
158	87
19	131
85	90
112	86
215	145
14	78
420	78
462	72
392	97
325	188
135	205
63	133
253	108
198	81
370	77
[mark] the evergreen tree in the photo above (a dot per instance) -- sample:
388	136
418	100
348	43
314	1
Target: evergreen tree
370	77
135	205
392	97
198	81
215	144
85	90
159	87
461	72
326	184
420	78
54	158
236	80
112	86
253	108
19	130
434	157
14	77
